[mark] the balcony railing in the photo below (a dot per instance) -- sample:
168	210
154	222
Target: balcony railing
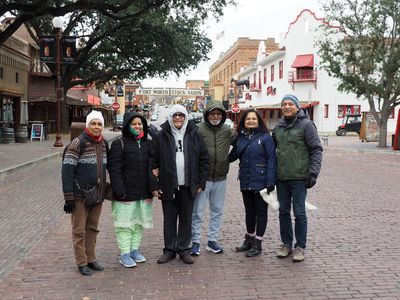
302	76
39	68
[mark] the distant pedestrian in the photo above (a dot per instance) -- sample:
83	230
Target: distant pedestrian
299	155
130	180
180	156
257	170
84	180
218	137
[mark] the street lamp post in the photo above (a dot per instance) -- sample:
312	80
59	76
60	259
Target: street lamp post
57	24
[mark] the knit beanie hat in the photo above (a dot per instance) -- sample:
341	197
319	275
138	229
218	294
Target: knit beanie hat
292	98
94	114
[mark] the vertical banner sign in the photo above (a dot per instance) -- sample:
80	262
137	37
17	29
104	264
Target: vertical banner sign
48	49
120	95
68	49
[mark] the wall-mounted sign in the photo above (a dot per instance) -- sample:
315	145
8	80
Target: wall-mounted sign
271	91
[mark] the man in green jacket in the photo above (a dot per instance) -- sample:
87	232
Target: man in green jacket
299	155
218	137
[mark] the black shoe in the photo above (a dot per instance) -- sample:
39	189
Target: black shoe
85	271
166	257
186	258
255	248
95	266
246	246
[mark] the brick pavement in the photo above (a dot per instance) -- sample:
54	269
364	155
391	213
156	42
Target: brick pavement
352	249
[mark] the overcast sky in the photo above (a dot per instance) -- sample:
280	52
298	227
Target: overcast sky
256	19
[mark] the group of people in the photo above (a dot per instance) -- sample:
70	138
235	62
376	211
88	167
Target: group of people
186	166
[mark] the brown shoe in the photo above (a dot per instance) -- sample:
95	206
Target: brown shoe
166	257
298	254
283	251
186	258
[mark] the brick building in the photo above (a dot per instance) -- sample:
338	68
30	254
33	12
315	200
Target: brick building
242	54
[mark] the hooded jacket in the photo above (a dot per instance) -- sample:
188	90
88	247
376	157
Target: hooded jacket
163	157
298	148
218	140
129	163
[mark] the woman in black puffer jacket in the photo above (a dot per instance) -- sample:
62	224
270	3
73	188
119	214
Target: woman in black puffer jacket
130	181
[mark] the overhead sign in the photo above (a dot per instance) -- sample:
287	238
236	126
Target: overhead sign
169	92
68	49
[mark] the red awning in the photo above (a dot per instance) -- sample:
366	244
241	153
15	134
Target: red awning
304	60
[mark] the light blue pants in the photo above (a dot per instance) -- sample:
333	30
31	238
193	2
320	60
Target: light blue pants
214	194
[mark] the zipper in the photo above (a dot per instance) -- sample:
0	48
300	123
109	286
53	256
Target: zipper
215	153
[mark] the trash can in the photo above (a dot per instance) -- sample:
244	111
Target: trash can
77	128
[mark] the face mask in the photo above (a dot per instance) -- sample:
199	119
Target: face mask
215	122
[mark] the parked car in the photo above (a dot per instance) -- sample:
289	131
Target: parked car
197	117
350	123
120	121
154	117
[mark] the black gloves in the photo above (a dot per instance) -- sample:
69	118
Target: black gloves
311	181
270	188
69	206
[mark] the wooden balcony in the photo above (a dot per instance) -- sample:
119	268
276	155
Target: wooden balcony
38	68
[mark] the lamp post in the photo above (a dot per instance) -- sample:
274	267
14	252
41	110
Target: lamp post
57	24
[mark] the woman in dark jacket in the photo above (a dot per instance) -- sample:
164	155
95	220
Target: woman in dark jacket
257	170
181	157
130	181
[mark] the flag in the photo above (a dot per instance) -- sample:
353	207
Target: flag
220	35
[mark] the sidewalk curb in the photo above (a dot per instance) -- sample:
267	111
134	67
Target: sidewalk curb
362	151
31	163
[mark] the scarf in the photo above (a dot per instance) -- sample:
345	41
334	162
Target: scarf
138	136
97	139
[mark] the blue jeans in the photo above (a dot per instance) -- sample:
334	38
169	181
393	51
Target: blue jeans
292	191
214	194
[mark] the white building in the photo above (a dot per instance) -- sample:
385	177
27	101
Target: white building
294	69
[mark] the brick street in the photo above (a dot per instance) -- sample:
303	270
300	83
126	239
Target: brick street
353	246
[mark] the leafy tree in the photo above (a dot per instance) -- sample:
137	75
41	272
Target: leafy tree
123	38
366	60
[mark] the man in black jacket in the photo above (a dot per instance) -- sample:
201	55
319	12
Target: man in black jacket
181	157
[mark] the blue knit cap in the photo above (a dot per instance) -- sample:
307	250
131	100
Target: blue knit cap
292	98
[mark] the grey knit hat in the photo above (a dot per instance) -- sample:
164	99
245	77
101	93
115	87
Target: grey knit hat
292	98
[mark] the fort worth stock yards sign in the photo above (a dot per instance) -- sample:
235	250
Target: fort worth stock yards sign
169	92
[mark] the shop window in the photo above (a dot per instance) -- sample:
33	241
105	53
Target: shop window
348	109
326	111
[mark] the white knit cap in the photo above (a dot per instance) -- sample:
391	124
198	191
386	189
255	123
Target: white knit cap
94	114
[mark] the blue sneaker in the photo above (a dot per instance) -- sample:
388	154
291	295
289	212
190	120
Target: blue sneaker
137	256
214	247
195	249
127	261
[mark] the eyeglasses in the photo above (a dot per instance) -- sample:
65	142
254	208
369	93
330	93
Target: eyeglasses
178	115
96	123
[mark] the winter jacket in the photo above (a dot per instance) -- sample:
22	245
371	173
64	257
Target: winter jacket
218	140
128	164
299	150
84	165
163	157
257	167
